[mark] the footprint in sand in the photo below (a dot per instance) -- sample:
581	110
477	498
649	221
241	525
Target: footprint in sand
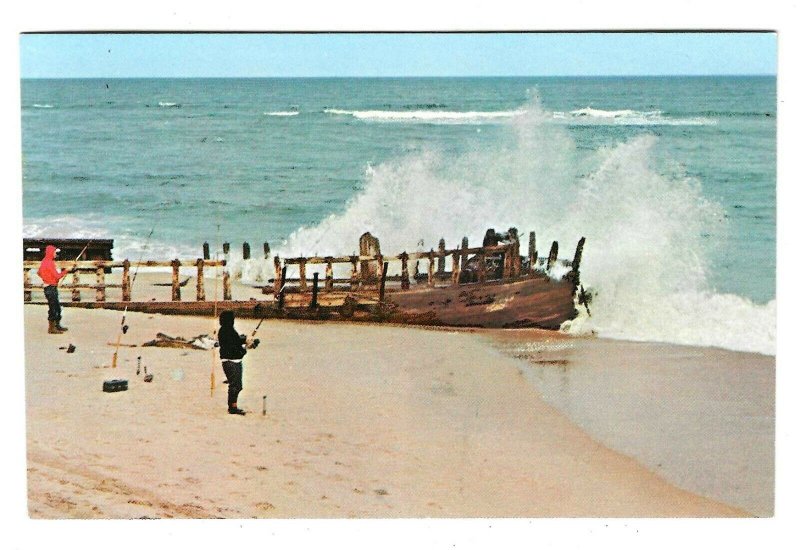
264	506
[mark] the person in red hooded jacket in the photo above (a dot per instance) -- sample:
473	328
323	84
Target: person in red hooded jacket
50	276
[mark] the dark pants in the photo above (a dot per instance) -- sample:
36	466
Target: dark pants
234	373
53	306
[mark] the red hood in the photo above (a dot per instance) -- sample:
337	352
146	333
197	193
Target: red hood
50	252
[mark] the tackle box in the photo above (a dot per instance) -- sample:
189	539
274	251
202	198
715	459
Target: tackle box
115	385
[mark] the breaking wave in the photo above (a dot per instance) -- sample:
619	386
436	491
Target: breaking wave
429	116
282	113
646	258
626	117
579	117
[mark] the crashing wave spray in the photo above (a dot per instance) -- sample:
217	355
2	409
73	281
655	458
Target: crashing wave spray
646	256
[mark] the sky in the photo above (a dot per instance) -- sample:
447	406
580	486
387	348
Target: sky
386	54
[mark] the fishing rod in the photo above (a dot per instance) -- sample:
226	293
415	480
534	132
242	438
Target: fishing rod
123	326
213	379
75	261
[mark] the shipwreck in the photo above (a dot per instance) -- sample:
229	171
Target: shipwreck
491	286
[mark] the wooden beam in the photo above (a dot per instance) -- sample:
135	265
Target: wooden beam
404	282
442	254
100	295
26	279
278	279
456	268
176	282
329	276
201	290
126	281
551	259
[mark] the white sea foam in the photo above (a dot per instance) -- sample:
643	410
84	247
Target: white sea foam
282	113
578	117
645	257
42	106
127	245
168	104
429	116
626	117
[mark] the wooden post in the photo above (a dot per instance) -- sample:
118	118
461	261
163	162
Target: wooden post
303	285
100	295
551	259
456	268
404	282
516	261
353	272
384	269
481	266
206	252
381	272
176	282
76	292
431	281
440	265
26	278
266	250
328	274
533	255
369	246
314	290
278	283
576	262
282	290
201	290
245	251
226	283
508	261
464	246
126	281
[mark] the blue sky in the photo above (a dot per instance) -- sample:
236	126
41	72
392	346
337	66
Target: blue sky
418	54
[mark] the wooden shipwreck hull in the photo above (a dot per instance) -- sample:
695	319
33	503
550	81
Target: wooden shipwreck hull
491	286
536	301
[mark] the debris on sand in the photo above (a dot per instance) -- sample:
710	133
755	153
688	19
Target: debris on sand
203	341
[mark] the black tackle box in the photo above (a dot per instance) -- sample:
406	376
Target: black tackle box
115	385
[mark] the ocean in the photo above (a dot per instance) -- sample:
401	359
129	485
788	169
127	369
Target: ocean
672	180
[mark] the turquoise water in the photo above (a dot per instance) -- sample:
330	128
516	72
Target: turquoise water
672	180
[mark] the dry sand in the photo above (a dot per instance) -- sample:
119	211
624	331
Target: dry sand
362	421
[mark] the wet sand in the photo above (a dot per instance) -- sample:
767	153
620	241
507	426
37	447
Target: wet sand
361	421
703	418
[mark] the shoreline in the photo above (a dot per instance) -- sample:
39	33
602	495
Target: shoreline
362	421
703	418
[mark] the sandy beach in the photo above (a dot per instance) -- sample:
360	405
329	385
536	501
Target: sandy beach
361	421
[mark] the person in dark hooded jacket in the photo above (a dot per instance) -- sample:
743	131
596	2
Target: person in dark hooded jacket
50	276
232	348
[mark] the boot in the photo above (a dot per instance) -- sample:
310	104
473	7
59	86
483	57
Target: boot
59	327
53	328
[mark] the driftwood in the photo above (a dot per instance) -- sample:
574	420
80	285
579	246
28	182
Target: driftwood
162	340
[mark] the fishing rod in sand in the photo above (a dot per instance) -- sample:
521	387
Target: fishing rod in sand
213	380
122	325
